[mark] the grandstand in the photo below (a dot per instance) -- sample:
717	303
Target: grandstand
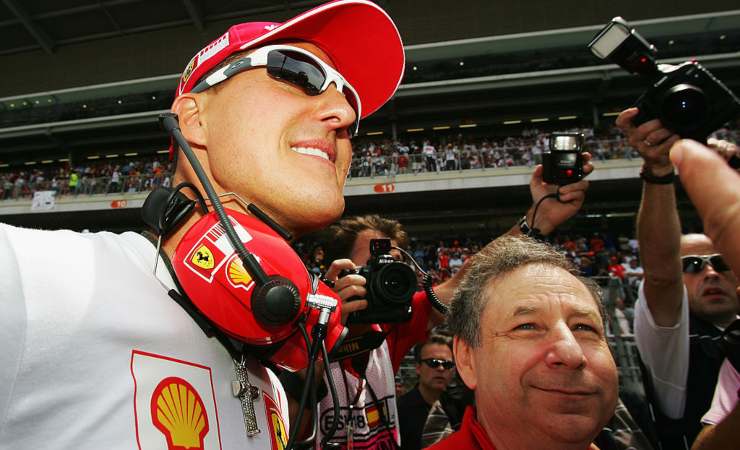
87	82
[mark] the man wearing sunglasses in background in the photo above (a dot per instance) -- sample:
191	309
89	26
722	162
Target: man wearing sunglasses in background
436	369
688	296
95	354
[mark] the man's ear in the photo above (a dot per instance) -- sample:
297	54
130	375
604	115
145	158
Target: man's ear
188	110
465	362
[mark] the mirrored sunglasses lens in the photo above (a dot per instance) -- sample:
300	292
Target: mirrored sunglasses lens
435	363
719	264
692	264
296	68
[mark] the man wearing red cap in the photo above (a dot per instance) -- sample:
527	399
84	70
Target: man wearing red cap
95	352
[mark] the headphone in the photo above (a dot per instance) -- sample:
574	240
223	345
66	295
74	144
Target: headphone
239	271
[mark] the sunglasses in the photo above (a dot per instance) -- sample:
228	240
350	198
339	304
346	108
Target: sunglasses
697	263
293	65
434	363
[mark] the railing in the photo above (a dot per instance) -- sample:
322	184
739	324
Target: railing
391	165
85	186
388	166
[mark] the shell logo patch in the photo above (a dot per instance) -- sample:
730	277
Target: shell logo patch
174	404
237	274
278	433
178	412
203	258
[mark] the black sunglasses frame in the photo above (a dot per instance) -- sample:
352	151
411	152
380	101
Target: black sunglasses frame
435	363
697	263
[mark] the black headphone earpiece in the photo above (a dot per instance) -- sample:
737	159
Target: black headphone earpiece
276	302
164	208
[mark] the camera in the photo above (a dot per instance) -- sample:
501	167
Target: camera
562	162
390	286
686	98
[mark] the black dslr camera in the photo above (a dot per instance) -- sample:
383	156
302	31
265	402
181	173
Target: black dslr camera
562	162
686	98
390	286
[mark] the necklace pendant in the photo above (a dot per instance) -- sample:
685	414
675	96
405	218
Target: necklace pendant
246	393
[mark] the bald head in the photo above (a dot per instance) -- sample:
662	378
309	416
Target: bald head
696	244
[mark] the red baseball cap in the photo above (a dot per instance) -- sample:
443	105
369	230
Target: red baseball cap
359	37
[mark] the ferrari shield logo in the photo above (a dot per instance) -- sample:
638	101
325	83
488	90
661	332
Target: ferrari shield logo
203	258
278	434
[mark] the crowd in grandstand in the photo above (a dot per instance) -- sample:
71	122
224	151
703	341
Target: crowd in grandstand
94	177
461	152
370	158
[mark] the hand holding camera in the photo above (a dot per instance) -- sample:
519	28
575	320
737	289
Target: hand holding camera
651	139
686	98
348	285
570	187
378	292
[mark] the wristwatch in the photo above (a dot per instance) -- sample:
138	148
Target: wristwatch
529	231
648	177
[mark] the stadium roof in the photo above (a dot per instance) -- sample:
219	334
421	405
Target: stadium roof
30	24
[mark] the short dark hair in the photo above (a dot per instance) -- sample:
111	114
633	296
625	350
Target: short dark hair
498	258
438	339
340	237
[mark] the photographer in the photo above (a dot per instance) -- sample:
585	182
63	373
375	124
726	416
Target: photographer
718	200
365	381
687	298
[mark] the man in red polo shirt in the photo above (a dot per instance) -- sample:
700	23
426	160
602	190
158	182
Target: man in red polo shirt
530	343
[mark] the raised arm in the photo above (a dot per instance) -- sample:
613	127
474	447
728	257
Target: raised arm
658	226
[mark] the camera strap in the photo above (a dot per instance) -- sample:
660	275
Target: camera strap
358	345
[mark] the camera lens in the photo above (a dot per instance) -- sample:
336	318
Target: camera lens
684	106
396	282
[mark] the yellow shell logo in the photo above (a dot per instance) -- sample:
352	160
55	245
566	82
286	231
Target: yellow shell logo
178	412
237	274
203	258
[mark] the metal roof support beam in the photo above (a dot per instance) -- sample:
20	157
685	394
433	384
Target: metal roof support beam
110	17
39	34
195	14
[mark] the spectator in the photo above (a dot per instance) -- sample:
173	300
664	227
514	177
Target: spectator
536	359
687	297
365	375
450	158
436	368
722	224
430	156
633	276
73	181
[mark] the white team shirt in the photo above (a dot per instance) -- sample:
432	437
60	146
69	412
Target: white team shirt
95	354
